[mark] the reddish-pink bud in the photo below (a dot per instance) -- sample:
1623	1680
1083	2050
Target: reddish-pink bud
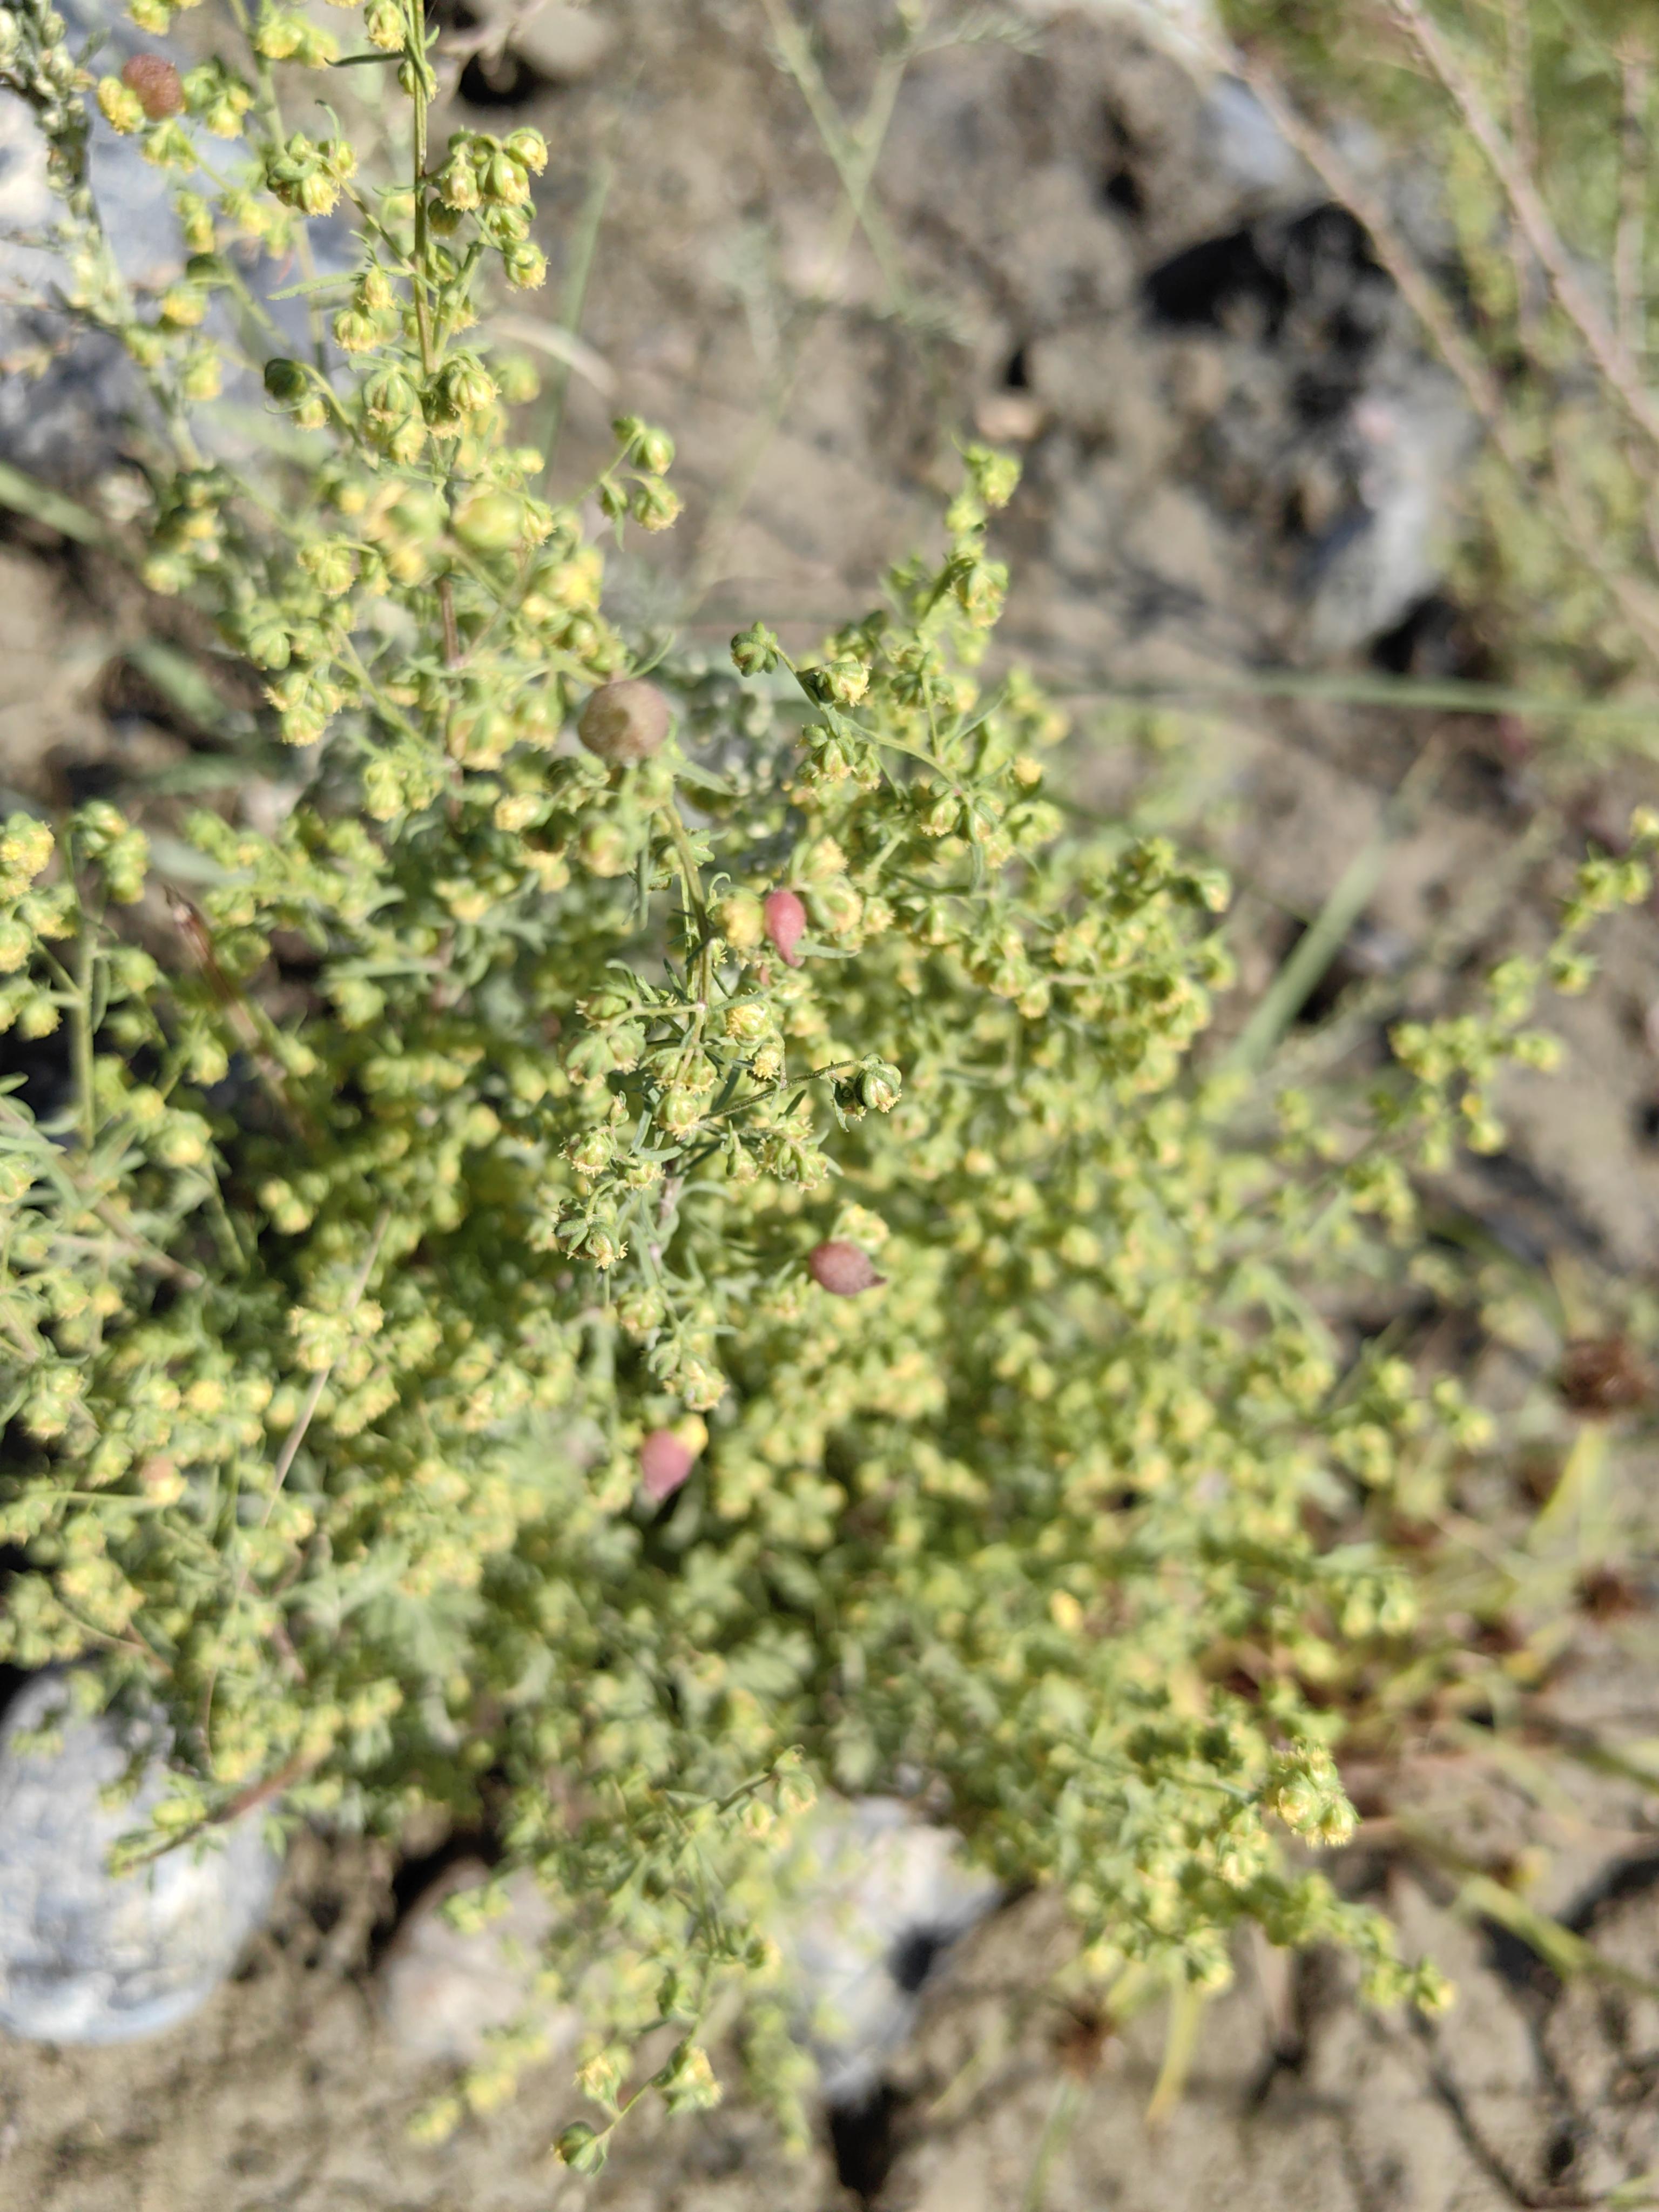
155	81
784	919
665	1462
842	1269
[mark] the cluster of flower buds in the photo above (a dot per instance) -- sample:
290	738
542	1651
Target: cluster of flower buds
149	95
385	24
307	174
285	35
187	533
462	387
489	179
635	483
375	317
216	98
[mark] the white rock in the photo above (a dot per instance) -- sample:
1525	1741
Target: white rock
84	1957
1191	30
870	1899
442	1989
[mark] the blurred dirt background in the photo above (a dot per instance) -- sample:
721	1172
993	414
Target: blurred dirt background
1237	461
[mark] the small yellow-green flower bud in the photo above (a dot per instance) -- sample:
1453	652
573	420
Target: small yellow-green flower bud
491	521
504	181
528	148
740	921
121	107
525	267
356	332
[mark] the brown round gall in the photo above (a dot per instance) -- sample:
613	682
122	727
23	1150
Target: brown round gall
842	1269
665	1462
784	919
625	722
155	81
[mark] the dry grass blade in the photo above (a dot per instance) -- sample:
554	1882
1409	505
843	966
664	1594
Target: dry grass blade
1435	312
1611	357
1186	2004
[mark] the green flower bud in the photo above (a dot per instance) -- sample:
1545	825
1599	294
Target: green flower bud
491	521
529	148
169	146
386	26
524	267
333	563
840	682
267	643
278	36
466	385
740	921
355	332
317	194
389	396
653	505
995	476
503	224
880	1085
518	384
591	1153
748	1022
286	382
755	652
457	182
581	2148
183	306
505	182
655	452
605	849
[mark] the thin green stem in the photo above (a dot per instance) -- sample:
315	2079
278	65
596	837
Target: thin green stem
81	1033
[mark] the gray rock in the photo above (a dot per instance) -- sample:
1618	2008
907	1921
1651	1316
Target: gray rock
443	1989
561	44
69	394
1409	437
870	1901
1191	30
1248	147
86	1957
